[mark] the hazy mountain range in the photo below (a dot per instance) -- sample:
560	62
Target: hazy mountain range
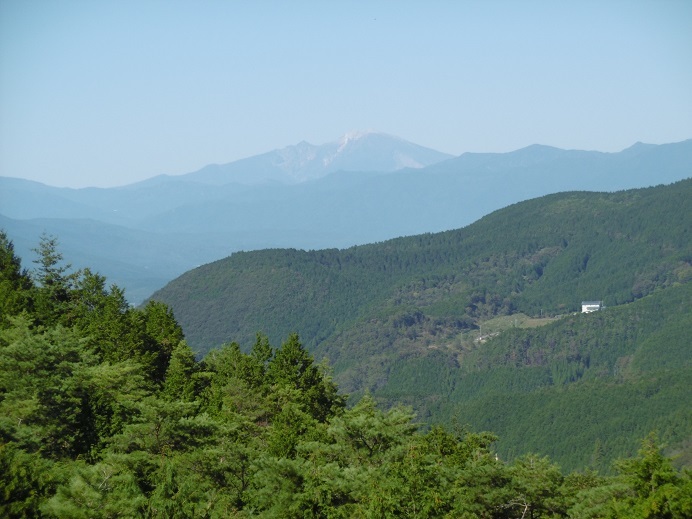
355	151
365	187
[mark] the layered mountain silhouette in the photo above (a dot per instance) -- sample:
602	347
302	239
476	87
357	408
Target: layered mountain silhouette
355	151
365	187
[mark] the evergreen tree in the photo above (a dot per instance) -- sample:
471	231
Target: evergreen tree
25	479
105	490
180	382
294	367
15	283
105	412
657	490
54	282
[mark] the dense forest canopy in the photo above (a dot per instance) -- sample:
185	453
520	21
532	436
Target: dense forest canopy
539	257
477	325
106	412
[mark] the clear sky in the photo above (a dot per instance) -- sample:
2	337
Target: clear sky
104	93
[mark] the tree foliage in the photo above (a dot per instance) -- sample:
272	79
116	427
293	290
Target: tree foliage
410	320
539	257
106	412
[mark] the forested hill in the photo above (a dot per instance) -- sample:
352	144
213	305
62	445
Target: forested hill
445	322
105	412
144	235
541	257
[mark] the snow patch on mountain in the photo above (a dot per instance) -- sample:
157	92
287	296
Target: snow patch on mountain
355	151
352	136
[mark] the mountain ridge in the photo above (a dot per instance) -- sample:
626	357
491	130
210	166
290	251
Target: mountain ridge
341	209
529	236
304	161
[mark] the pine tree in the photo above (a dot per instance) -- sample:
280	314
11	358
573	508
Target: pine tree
54	282
15	283
293	366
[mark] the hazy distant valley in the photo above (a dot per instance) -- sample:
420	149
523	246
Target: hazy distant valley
364	188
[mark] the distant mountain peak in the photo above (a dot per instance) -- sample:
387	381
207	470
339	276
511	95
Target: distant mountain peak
361	150
354	136
637	148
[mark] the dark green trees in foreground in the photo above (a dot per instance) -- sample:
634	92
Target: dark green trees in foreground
105	412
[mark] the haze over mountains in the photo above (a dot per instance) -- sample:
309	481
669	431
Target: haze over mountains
365	187
354	151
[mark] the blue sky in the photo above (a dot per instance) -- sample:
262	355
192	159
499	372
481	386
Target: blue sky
105	93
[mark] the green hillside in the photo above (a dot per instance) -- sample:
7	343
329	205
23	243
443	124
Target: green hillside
582	389
105	413
540	257
402	320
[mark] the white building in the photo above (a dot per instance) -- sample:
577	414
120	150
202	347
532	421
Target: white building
591	306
